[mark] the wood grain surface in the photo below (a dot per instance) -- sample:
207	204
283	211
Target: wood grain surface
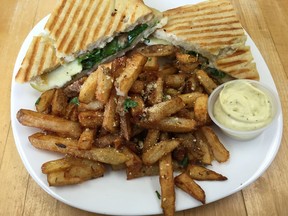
267	24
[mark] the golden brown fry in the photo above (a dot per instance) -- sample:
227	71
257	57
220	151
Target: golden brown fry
133	68
110	115
86	139
93	105
134	164
104	84
201	110
175	80
156	94
204	153
71	112
125	126
50	123
59	103
58	179
190	98
202	173
166	179
157	50
87	92
220	153
106	140
137	87
187	184
43	104
154	153
146	170
70	146
137	110
186	58
206	81
151	139
171	124
151	64
164	109
91	119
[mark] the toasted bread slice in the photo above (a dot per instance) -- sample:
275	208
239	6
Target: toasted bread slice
78	26
40	58
210	28
239	65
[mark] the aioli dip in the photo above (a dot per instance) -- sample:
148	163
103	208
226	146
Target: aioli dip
242	106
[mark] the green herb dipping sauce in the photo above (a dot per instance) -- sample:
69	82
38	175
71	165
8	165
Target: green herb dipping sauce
241	106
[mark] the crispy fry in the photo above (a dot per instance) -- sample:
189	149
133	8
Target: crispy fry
93	105
151	139
137	110
202	173
126	79
109	119
186	58
156	94
59	103
125	126
50	123
206	81
201	110
151	64
70	146
71	112
220	153
167	185
154	153
106	140
205	155
164	109
86	139
43	104
91	119
175	80
171	124
187	184
87	91
190	98
104	84
157	50
137	87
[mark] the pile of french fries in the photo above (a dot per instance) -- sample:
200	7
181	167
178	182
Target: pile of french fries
145	113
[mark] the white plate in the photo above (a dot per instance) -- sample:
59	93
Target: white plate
113	194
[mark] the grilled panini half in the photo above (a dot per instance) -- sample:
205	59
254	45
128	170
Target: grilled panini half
239	65
40	58
80	26
210	28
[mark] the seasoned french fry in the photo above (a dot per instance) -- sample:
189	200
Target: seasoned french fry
202	173
134	164
175	80
157	50
151	139
71	112
137	110
164	109
87	91
187	184
104	84
201	110
110	114
91	119
166	179
220	153
126	79
156	94
59	103
106	140
151	64
204	151
171	124
190	98
50	123
86	139
185	58
154	153
59	179
93	105
206	81
125	126
137	87
43	104
146	170
70	146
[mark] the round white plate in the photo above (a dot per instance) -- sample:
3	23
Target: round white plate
113	194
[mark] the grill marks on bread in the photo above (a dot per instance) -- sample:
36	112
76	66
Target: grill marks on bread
78	25
40	56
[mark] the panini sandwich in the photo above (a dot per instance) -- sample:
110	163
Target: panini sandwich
211	29
81	34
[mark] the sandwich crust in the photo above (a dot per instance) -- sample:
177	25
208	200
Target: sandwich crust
76	26
210	28
40	58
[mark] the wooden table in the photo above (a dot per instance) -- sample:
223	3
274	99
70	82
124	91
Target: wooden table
267	24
